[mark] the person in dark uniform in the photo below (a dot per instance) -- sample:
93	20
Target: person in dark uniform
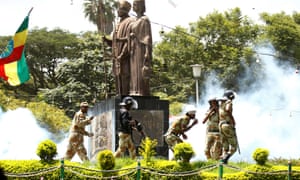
127	125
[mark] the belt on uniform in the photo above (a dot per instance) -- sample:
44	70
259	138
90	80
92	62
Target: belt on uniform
216	131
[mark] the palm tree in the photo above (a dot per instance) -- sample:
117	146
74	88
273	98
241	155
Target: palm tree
101	13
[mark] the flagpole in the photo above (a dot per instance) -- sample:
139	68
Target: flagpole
30	11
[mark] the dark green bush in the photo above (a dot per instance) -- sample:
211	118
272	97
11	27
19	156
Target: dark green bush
46	150
183	152
260	155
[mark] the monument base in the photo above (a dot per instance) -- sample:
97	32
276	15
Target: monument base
152	113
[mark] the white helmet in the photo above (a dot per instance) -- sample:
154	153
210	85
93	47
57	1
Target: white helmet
190	110
130	102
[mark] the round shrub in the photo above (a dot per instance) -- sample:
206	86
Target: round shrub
46	150
106	160
183	152
260	155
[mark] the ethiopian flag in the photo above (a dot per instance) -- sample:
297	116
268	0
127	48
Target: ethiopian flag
13	66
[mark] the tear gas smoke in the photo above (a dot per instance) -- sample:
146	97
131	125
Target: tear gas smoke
267	116
20	136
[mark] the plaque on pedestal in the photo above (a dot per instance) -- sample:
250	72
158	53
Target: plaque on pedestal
152	113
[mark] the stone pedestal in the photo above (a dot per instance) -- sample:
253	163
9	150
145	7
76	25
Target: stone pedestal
152	112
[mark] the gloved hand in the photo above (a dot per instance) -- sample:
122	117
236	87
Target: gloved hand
184	136
195	122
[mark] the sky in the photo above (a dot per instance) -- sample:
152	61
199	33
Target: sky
266	118
68	14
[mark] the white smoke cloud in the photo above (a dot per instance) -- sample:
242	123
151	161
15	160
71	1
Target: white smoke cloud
266	117
20	136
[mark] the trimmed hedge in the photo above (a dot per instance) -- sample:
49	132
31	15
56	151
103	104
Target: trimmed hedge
159	165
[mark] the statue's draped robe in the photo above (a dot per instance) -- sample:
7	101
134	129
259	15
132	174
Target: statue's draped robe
140	45
121	70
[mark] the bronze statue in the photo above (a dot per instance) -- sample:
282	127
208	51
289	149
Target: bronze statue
140	51
120	51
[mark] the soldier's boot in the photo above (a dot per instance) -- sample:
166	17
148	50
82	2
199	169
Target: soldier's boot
226	158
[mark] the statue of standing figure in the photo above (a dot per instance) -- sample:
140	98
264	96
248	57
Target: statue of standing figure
132	50
140	51
120	49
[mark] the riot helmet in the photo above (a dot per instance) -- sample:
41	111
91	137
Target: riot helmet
229	94
129	102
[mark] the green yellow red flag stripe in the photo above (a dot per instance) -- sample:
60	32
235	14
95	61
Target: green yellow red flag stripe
13	66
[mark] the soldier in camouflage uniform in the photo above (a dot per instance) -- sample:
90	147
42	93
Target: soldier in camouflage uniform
227	126
127	125
178	128
213	147
77	131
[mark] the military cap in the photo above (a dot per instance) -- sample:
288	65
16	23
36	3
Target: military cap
190	112
84	104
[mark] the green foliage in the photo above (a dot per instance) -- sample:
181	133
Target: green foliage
74	67
283	32
283	161
124	161
45	50
50	118
219	41
46	150
33	166
176	108
261	172
85	78
106	159
183	152
260	155
250	172
147	148
101	13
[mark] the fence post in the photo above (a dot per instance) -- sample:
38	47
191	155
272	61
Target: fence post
289	170
62	171
221	170
138	173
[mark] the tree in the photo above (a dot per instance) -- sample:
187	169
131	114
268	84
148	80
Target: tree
283	32
220	42
86	78
45	50
101	13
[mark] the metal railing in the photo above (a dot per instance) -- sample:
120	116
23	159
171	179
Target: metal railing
137	172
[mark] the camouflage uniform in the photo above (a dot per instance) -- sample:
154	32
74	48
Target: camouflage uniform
77	131
176	129
213	148
228	136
